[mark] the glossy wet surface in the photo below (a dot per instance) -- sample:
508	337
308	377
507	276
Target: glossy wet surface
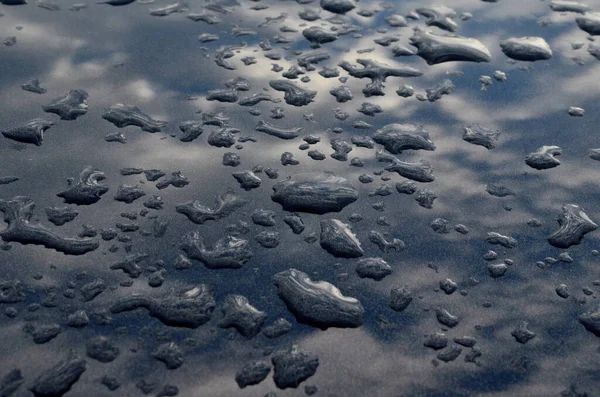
329	198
